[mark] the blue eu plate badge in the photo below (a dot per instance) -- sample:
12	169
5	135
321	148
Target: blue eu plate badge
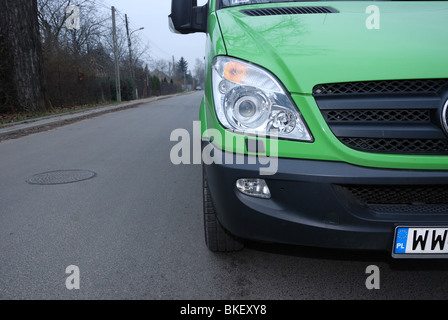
402	238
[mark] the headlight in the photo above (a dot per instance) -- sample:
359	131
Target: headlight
249	99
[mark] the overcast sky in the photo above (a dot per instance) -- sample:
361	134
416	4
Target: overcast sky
153	16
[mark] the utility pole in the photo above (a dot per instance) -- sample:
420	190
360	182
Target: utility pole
129	46
173	71
130	53
117	67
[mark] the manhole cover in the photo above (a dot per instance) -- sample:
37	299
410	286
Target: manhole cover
61	177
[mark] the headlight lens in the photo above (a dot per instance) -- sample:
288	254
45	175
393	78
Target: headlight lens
249	99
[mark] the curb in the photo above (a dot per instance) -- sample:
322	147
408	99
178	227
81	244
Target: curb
23	128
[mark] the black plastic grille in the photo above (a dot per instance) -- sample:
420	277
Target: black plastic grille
391	115
403	146
287	11
381	87
400	194
410	209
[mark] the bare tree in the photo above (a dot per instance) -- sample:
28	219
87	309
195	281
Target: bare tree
21	48
77	62
199	71
162	65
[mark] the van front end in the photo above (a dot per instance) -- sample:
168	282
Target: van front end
326	124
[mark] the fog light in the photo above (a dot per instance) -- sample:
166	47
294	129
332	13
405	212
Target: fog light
254	187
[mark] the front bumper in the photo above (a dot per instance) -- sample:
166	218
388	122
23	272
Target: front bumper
310	204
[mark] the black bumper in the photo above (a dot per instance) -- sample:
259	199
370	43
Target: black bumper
311	204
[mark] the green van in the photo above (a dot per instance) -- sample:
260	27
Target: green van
347	101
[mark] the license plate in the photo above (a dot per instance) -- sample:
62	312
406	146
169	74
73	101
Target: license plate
420	242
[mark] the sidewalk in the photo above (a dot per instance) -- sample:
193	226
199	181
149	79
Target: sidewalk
22	128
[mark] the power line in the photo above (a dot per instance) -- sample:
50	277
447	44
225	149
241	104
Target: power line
155	49
144	35
100	3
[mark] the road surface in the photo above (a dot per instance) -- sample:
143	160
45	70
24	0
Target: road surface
134	229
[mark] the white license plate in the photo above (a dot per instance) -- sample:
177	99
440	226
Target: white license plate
420	241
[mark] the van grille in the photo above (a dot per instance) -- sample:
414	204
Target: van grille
404	146
400	199
381	87
287	11
397	116
390	115
400	194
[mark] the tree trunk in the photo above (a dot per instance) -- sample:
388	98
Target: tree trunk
20	47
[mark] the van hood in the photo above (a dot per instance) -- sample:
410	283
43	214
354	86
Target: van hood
303	50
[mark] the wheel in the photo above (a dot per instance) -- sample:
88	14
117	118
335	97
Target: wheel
217	238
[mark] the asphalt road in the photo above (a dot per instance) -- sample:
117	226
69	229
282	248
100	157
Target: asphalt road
134	230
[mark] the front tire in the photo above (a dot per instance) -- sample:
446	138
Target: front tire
217	238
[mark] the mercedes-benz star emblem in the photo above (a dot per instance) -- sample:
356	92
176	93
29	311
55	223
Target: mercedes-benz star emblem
445	117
